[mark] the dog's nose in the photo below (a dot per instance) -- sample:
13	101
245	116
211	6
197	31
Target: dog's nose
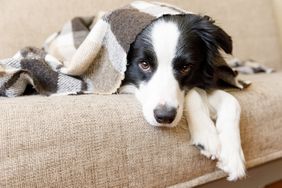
164	114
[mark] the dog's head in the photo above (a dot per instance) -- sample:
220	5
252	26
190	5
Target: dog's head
170	56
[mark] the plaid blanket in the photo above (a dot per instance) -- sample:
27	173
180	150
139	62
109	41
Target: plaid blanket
88	55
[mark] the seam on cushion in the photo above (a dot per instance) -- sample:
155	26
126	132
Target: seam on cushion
218	174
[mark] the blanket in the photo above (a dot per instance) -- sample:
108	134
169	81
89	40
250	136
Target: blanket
89	54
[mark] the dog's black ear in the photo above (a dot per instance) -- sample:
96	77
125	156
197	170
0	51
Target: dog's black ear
214	39
211	34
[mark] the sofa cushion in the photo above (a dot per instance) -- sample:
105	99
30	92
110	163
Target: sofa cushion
104	141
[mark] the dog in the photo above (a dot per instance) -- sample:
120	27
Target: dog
170	69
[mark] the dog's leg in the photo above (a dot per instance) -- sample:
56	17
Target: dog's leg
202	129
231	157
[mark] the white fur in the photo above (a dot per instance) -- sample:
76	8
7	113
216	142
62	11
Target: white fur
202	129
231	157
162	88
223	140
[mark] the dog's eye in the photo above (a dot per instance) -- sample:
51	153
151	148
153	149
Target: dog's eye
145	66
185	69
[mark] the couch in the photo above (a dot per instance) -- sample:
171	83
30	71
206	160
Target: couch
103	140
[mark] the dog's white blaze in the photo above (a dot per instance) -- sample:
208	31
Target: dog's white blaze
162	88
165	36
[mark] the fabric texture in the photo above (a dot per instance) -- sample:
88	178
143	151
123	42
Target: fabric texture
248	66
89	55
88	140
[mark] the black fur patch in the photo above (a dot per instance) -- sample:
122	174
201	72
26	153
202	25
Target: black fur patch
140	51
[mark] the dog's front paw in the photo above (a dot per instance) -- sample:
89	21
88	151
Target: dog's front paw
232	161
208	143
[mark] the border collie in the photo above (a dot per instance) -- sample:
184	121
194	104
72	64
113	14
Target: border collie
170	68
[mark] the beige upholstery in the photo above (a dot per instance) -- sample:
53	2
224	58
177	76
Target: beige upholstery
103	141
